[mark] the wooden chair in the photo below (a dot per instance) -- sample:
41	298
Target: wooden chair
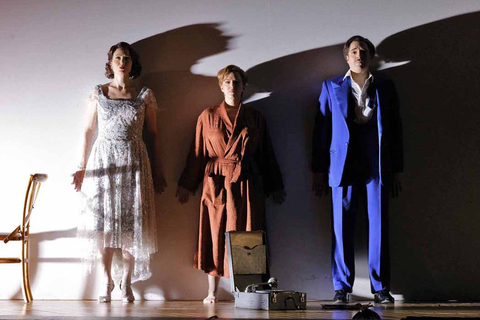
21	233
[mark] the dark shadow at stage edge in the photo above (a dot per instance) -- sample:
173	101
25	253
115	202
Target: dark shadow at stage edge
434	228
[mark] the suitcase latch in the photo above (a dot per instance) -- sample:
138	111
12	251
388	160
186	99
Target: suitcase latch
302	297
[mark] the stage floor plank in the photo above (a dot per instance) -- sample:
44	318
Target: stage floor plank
16	309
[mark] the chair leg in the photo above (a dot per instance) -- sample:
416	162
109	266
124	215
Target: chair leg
25	284
27	271
27	279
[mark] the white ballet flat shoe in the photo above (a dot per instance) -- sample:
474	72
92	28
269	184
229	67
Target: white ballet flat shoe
209	300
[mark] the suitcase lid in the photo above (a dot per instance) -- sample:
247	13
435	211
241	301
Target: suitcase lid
247	258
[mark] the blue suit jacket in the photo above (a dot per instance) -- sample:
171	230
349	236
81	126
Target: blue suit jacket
332	135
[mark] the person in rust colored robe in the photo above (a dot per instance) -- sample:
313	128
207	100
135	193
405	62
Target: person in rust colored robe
233	155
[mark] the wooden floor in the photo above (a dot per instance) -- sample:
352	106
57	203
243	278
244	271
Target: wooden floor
16	309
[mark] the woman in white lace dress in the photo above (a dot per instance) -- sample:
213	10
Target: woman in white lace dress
117	220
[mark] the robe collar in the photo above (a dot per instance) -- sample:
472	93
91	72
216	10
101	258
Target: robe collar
223	113
233	130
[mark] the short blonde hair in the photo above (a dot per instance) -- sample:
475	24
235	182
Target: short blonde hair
223	73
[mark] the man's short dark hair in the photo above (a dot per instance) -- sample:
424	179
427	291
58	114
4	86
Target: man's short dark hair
371	47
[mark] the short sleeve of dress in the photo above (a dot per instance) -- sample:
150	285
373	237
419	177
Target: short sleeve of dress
149	99
92	102
93	96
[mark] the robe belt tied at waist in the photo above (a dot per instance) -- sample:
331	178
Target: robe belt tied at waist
231	168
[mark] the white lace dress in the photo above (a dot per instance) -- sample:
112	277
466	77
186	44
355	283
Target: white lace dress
118	208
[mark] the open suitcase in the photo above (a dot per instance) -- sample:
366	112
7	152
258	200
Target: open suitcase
249	275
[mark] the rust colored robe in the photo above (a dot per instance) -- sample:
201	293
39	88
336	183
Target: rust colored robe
238	167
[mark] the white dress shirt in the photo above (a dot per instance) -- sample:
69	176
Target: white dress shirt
363	111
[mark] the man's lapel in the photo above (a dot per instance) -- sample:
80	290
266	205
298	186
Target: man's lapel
341	91
375	101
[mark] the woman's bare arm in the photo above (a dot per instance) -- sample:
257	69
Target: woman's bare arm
85	142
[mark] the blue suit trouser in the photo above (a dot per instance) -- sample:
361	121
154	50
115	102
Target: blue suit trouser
345	200
361	175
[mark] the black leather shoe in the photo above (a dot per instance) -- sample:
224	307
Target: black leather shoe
341	296
383	296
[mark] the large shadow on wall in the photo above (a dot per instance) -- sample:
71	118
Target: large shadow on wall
434	233
299	230
181	95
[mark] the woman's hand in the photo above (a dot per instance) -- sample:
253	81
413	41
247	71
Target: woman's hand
182	195
78	179
278	196
159	182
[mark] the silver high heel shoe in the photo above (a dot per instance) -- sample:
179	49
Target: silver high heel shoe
108	297
127	298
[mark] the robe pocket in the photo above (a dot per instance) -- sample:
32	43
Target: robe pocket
216	190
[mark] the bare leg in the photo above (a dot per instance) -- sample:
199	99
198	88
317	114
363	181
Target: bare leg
128	264
107	285
212	289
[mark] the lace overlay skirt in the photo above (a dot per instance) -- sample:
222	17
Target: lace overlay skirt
118	207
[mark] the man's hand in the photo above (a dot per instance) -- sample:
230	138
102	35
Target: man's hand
396	187
320	186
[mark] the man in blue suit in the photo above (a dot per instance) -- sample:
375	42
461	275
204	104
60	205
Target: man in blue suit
357	147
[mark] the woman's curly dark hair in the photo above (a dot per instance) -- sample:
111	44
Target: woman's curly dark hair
136	66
